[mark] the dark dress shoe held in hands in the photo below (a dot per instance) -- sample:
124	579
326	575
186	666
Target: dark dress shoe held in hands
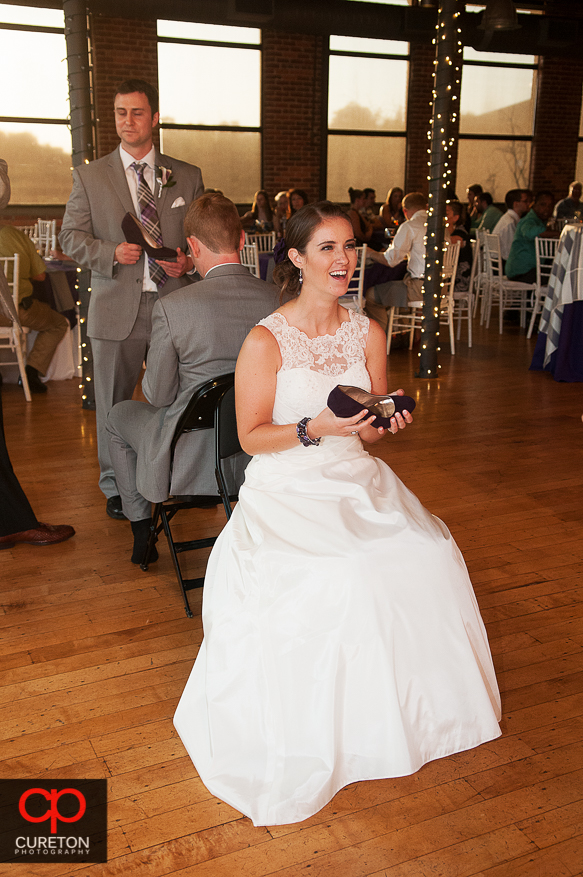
346	401
136	233
44	534
114	508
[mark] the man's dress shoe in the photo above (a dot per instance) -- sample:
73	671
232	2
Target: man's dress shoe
44	534
34	382
114	508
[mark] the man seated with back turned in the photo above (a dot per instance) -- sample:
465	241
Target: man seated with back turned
197	332
408	243
521	263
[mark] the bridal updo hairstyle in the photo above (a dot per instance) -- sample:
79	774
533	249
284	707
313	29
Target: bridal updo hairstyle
299	231
214	220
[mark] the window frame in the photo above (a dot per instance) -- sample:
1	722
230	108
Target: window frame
359	132
33	28
225	44
512	65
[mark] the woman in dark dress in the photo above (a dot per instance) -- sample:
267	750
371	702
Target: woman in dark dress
456	231
362	228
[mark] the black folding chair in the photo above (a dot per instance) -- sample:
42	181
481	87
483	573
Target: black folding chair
212	406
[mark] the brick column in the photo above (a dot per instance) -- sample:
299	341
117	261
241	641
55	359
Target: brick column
121	49
294	76
419	100
553	157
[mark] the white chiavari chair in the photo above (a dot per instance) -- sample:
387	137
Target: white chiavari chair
546	249
250	258
12	337
509	295
265	241
354	298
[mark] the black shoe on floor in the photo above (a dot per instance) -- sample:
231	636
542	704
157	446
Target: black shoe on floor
34	382
114	509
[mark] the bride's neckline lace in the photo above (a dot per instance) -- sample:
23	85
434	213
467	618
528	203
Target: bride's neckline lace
330	354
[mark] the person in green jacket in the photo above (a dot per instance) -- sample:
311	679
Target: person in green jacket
521	263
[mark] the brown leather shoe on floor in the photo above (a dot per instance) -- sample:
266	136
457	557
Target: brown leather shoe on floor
44	534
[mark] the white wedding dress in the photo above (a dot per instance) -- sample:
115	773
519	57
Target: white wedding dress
342	637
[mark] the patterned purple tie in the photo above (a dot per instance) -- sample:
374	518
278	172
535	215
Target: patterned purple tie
149	220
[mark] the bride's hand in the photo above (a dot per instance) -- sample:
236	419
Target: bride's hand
326	423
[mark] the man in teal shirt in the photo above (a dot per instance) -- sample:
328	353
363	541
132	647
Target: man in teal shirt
489	212
521	263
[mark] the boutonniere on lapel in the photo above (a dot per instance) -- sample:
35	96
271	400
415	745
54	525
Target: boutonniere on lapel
165	179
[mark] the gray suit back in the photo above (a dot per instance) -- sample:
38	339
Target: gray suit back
197	333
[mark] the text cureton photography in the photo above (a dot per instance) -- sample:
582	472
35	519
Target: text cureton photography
45	820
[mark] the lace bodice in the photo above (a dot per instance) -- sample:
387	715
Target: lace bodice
330	354
311	367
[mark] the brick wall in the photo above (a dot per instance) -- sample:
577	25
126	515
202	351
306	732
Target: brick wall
419	98
558	109
294	80
122	49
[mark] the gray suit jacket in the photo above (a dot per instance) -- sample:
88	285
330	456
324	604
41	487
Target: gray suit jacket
92	230
197	333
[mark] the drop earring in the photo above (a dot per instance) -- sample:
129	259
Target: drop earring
301	277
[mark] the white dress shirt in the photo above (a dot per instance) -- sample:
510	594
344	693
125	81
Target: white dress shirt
131	176
409	242
505	228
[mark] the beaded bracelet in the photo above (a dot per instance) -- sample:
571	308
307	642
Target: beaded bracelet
302	431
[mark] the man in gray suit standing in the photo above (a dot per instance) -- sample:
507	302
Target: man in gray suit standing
125	283
197	333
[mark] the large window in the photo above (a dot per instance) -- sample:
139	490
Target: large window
35	138
367	109
210	88
496	121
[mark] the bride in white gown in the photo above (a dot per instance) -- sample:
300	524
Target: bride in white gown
342	637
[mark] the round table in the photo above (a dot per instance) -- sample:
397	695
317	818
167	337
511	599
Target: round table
559	347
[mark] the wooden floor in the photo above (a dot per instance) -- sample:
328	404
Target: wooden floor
94	653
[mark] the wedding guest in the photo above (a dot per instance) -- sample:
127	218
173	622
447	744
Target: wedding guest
296	199
473	212
409	244
196	335
32	313
457	232
18	522
521	263
125	285
572	205
489	213
260	216
369	209
280	213
362	228
517	204
392	210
